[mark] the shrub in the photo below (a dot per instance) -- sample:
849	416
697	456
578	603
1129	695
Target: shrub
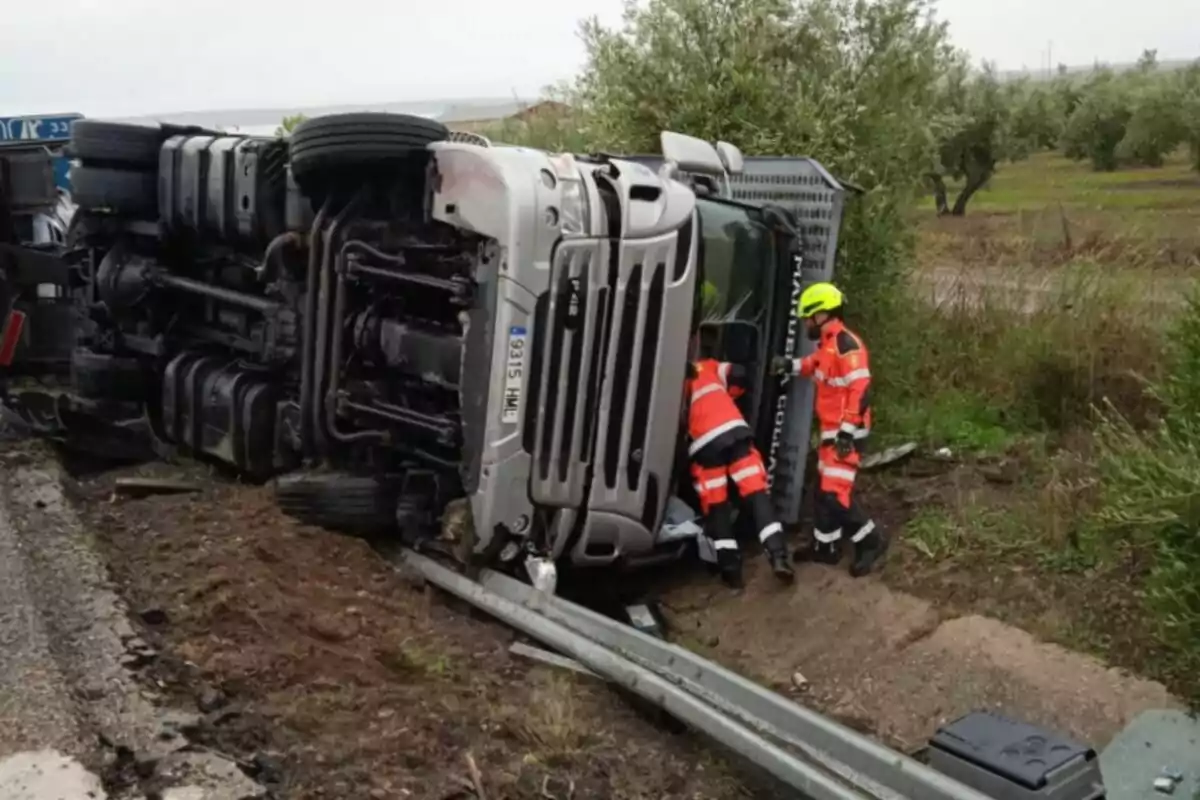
853	84
1149	510
288	124
975	363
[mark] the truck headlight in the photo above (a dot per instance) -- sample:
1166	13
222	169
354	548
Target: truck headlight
575	217
576	214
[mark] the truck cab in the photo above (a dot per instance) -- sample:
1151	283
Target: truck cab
666	264
390	322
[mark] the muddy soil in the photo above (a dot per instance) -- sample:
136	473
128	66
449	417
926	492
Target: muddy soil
331	675
898	654
1029	579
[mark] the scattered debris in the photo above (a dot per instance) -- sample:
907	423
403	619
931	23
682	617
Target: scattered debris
476	777
1164	785
547	657
1005	473
209	699
456	521
542	574
153	616
646	618
568	793
46	774
799	682
137	487
891	455
1172	773
943	453
217	777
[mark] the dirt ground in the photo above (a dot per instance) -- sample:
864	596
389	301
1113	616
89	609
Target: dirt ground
331	675
1005	562
979	625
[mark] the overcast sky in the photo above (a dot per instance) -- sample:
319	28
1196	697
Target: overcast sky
129	57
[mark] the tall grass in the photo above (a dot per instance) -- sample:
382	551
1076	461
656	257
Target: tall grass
1148	515
975	360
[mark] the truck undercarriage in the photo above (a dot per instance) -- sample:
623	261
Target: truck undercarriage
387	321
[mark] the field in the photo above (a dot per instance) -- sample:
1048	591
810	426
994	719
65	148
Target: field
1050	211
1042	338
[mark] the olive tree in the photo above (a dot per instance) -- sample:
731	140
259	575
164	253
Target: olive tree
1189	110
1039	114
853	83
1156	124
1098	124
976	130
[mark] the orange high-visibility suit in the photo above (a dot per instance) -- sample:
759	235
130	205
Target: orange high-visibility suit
721	449
840	368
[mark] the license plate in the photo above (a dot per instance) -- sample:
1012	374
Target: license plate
514	373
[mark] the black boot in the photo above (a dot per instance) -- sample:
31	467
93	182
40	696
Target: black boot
732	577
869	553
781	566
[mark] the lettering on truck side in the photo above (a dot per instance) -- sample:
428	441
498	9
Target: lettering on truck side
789	348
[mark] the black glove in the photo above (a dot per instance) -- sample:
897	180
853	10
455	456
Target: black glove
844	444
781	365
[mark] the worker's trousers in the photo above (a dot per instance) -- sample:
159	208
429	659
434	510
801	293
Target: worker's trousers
714	466
837	515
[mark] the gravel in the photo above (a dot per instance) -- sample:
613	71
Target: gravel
68	652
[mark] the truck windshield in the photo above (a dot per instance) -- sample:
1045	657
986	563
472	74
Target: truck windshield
738	255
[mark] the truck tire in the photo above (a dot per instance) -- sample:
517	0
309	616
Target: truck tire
100	376
356	504
114	190
117	143
325	145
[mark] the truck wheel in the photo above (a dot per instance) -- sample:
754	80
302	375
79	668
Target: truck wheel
339	142
114	190
350	503
98	142
99	376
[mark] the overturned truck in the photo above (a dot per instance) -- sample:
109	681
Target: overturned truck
388	319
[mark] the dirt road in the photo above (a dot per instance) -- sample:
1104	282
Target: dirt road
1027	290
76	721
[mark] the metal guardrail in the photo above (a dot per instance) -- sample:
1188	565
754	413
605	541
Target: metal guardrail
806	751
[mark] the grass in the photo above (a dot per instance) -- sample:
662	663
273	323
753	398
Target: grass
1049	179
553	723
1048	210
1049	334
976	365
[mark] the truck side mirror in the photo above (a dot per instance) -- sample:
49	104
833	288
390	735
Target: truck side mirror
691	154
731	157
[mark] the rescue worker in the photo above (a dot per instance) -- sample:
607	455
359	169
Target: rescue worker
841	370
721	450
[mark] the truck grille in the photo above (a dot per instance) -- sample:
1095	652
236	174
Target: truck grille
607	386
567	359
641	399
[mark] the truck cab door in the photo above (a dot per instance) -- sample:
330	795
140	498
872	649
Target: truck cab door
739	342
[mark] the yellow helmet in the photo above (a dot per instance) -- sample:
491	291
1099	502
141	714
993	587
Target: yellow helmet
819	297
